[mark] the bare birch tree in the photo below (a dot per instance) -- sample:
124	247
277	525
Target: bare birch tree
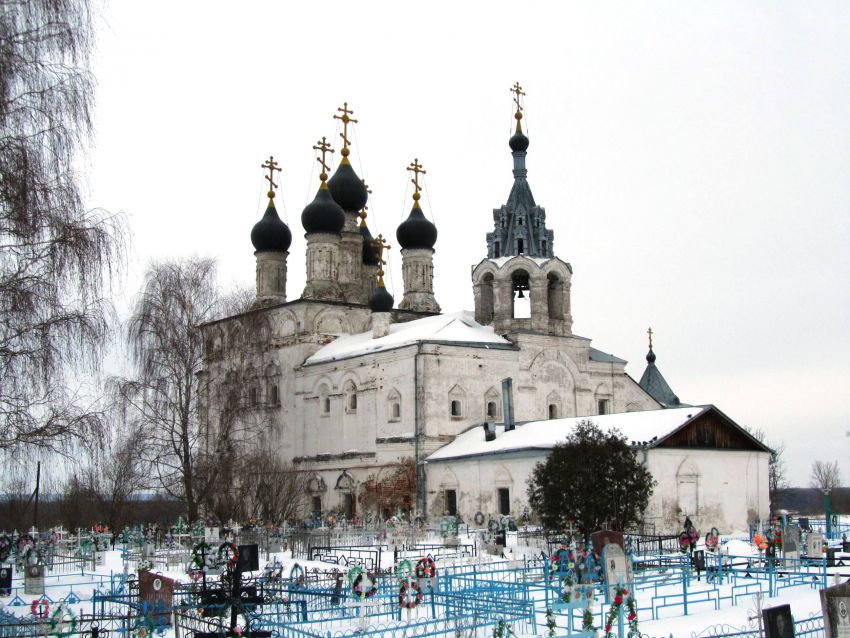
825	475
56	256
169	391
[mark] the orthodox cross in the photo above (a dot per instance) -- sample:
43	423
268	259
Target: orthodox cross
518	92
380	245
271	166
649	332
416	168
365	207
346	120
323	147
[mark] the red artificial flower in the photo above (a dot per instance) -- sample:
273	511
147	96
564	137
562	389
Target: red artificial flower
625	592
618	599
607	628
632	616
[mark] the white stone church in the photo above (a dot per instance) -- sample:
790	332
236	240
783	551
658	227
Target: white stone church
388	407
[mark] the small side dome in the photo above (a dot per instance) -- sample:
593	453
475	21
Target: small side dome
650	356
381	300
518	142
323	214
271	233
416	231
370	253
347	189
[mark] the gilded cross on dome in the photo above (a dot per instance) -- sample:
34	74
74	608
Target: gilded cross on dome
518	92
346	120
380	245
416	168
649	332
323	147
271	166
365	207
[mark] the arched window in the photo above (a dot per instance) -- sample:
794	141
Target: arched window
457	402
553	410
252	396
349	391
492	404
393	405
324	401
272	394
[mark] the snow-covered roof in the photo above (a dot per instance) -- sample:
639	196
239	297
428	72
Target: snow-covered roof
544	435
456	327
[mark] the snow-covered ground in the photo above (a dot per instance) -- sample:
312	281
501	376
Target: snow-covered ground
702	618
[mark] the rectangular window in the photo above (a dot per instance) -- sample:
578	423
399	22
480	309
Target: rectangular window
451	502
273	398
520	248
455	408
504	501
496	250
602	406
317	505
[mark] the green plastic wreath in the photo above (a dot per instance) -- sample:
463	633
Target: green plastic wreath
59	625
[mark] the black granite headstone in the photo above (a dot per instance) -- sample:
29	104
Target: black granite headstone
5	581
778	622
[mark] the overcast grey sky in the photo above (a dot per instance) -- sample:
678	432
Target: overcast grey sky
693	160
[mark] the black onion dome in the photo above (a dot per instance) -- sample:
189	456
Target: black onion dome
650	356
416	231
323	214
518	142
270	233
347	189
370	253
381	300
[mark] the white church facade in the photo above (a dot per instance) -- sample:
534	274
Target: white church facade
379	403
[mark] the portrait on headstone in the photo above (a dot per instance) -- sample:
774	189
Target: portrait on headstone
814	545
778	622
617	568
835	604
249	558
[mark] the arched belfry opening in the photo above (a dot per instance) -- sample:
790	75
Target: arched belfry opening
521	291
555	296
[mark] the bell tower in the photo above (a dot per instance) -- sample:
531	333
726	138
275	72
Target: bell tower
520	262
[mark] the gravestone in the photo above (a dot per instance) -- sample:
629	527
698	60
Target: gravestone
791	541
835	604
778	622
5	581
99	559
249	558
617	568
698	561
156	593
605	537
34	580
814	545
